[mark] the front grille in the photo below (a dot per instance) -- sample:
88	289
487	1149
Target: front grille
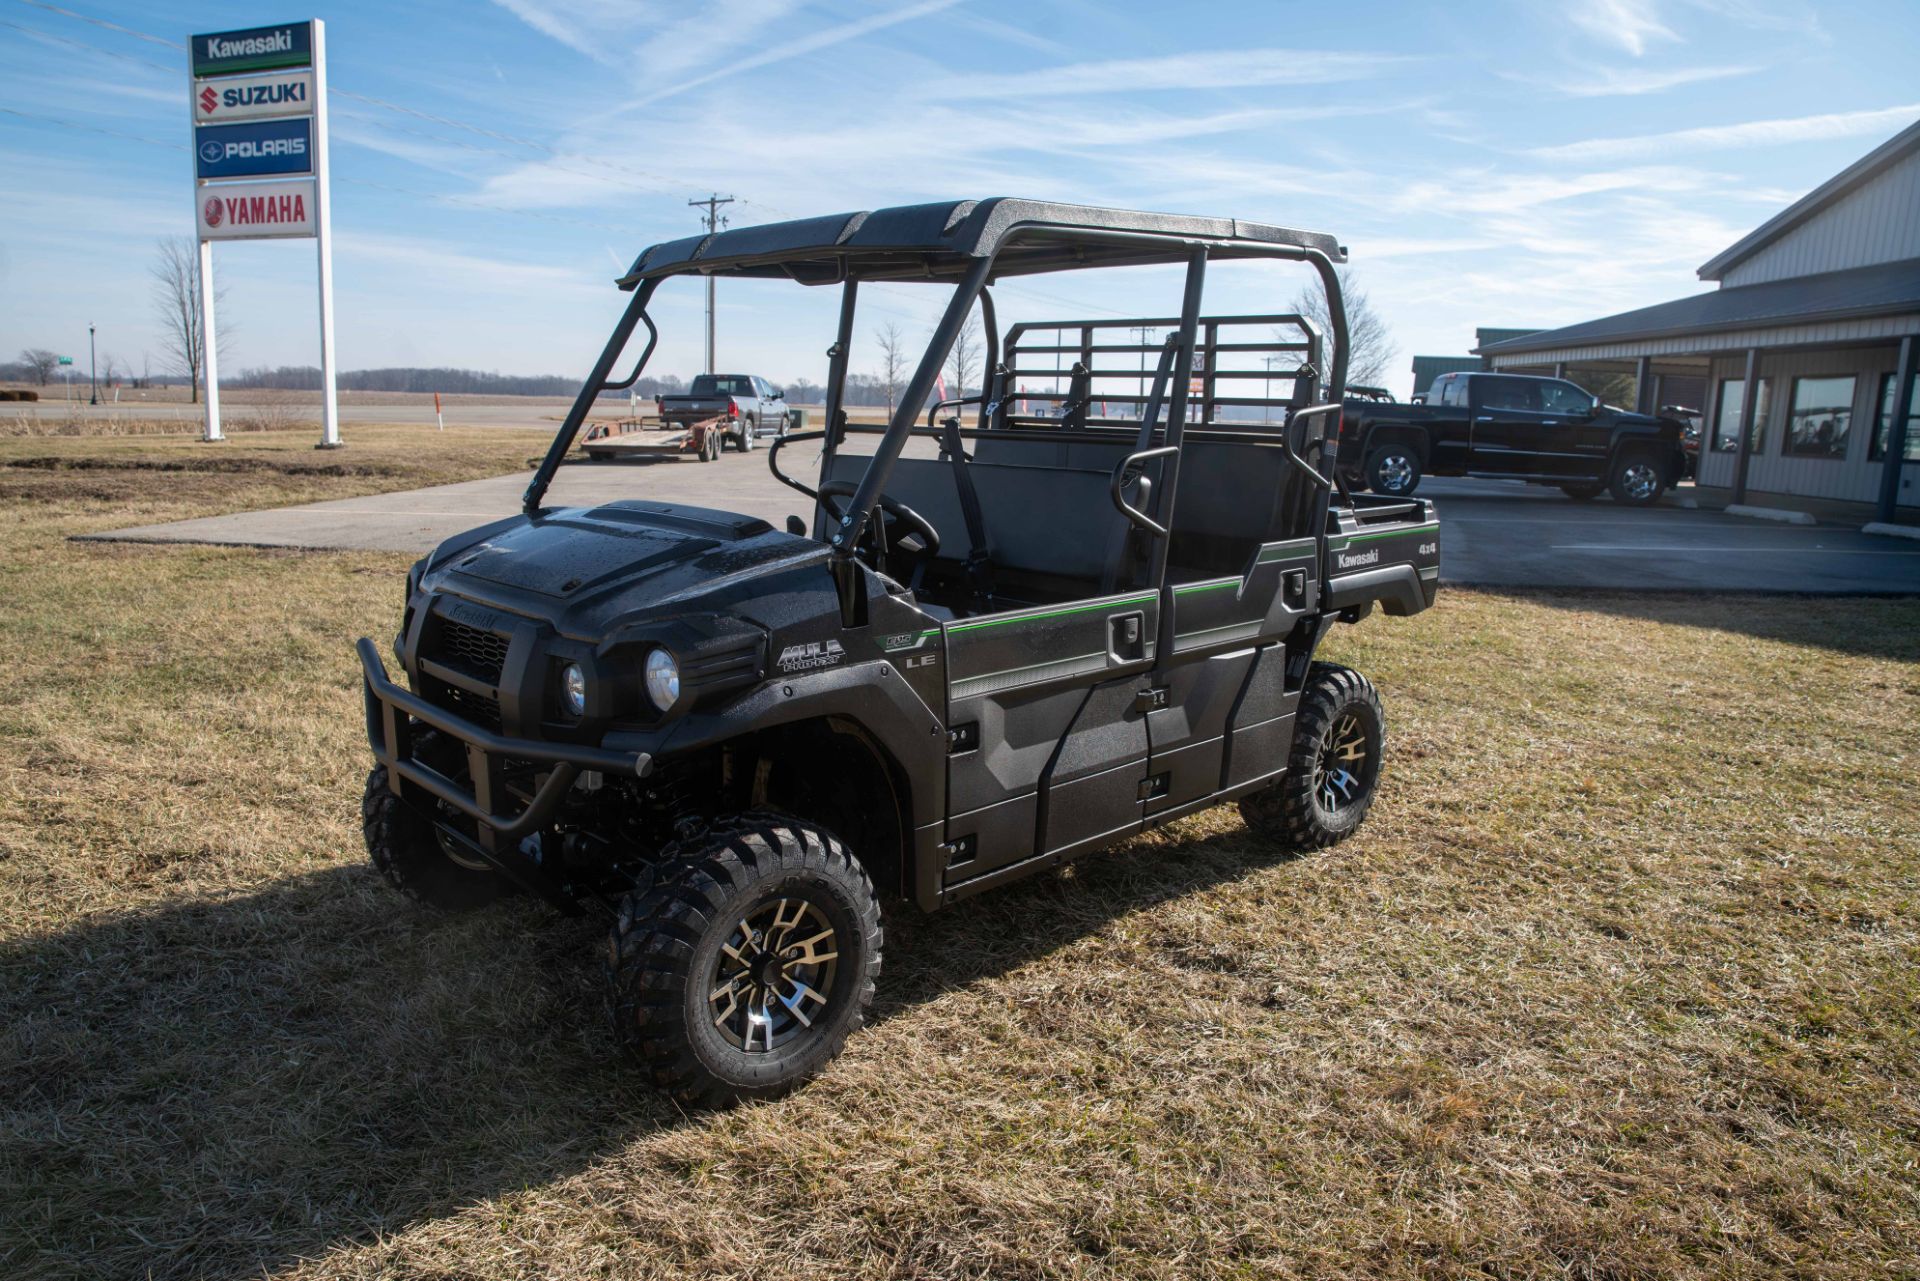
473	650
477	708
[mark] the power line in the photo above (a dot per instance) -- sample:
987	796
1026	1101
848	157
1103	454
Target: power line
110	26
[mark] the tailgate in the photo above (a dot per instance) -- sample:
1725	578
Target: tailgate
1385	550
687	409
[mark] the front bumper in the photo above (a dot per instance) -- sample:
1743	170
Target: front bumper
393	713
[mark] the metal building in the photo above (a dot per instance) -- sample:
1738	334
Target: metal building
1819	307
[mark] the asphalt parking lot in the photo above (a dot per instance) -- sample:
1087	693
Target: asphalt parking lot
1494	533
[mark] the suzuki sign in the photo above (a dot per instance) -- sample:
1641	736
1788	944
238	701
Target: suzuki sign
278	93
257	210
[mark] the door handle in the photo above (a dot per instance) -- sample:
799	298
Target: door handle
1484	418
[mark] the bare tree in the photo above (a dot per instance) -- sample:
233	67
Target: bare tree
964	358
893	360
111	370
40	363
1370	345
176	302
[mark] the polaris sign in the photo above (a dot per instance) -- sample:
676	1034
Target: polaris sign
257	49
253	150
279	93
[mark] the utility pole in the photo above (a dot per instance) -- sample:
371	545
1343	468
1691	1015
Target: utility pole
93	368
714	222
1143	332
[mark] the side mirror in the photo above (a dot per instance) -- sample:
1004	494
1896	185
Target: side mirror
779	393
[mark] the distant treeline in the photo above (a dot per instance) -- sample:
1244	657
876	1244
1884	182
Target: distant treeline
446	381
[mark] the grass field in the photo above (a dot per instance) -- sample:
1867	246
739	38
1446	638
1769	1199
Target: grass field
1618	981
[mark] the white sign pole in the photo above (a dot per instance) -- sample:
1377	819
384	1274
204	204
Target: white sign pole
323	225
208	360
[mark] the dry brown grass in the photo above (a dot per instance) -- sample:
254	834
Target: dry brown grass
1617	982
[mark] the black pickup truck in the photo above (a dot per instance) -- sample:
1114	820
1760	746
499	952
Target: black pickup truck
1512	427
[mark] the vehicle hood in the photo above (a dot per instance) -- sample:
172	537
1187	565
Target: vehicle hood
588	566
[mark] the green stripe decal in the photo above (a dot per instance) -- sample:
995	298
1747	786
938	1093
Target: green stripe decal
1351	539
1191	588
1056	613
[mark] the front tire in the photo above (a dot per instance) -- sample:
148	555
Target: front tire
403	845
742	972
1393	470
1637	479
1333	770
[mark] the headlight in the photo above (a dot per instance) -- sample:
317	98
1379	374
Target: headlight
573	690
663	679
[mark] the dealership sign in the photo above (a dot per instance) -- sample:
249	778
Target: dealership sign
278	93
257	210
258	102
254	149
224	53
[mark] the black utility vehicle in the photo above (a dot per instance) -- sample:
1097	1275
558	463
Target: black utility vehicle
1512	427
1036	625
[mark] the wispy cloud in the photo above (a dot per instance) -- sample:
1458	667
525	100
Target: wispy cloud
574	23
804	45
1616	82
1753	133
1239	68
1628	25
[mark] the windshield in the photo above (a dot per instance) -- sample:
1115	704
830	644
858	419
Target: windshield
721	385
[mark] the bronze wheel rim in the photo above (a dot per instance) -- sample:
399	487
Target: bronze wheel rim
774	977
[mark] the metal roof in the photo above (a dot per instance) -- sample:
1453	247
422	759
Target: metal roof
1812	203
940	241
1881	289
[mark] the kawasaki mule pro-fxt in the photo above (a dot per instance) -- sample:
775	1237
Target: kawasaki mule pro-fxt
1036	625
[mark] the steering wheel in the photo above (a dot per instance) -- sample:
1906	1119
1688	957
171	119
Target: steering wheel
913	524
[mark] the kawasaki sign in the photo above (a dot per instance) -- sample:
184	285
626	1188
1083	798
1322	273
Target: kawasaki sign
256	49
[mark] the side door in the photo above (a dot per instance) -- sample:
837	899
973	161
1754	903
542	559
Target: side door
1047	739
1448	431
767	413
1506	425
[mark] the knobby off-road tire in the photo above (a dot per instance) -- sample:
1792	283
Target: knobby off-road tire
1333	768
404	846
742	972
1637	479
1393	470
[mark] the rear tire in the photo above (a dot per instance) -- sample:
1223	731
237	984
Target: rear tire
1393	470
765	919
1333	769
1583	493
403	845
746	435
1637	479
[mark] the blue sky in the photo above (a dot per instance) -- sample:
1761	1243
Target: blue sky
1489	162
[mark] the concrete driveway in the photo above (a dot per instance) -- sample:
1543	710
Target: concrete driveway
1493	533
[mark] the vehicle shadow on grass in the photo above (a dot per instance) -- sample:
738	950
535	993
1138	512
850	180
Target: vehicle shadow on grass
1882	627
229	1084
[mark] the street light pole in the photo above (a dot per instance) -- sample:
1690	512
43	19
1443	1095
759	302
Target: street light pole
93	368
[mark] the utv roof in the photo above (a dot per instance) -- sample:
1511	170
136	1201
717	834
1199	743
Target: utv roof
940	241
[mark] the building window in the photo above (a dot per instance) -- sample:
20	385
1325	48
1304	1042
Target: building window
1883	427
1726	422
1822	417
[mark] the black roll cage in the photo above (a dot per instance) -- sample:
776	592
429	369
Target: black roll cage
1122	247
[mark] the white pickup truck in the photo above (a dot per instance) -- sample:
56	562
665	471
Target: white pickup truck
752	406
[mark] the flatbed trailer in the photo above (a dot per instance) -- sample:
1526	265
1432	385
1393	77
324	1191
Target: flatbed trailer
653	438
